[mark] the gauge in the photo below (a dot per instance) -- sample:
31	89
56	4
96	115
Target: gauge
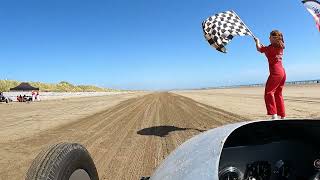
260	170
316	176
316	163
283	169
230	173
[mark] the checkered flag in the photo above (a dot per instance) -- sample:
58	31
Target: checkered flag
221	28
313	7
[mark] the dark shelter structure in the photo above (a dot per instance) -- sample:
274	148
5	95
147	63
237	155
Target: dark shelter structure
24	87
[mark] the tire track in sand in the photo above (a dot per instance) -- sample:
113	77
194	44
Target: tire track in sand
126	141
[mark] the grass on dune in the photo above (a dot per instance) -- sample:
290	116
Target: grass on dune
63	86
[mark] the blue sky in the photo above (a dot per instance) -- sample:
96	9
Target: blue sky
148	44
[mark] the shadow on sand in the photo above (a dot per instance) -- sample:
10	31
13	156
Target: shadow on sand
163	131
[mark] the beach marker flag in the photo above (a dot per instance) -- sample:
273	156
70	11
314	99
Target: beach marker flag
220	28
313	7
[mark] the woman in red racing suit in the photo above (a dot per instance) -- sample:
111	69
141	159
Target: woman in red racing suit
276	80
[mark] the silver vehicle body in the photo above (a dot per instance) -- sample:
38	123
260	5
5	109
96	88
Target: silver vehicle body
198	158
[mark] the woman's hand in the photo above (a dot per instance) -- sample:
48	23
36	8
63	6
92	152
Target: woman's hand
258	45
256	40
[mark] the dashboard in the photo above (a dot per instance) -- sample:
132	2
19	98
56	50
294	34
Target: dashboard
283	160
266	153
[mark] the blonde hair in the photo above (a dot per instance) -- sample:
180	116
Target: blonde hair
278	37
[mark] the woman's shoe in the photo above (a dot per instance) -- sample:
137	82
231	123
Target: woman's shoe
274	117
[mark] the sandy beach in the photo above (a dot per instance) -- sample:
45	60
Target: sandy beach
128	135
301	101
19	120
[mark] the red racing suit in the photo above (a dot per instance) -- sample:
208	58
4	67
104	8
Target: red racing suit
276	80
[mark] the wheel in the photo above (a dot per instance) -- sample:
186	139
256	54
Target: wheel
63	161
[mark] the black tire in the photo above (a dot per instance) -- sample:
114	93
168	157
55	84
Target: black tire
60	161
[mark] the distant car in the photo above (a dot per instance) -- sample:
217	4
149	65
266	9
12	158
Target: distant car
255	150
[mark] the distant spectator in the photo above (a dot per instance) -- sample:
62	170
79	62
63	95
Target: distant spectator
33	95
38	96
19	98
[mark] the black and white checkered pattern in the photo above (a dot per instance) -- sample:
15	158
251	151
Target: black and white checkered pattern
221	28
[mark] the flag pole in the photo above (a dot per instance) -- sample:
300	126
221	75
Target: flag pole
244	24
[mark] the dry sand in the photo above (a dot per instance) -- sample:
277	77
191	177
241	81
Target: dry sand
19	120
129	135
301	101
126	141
